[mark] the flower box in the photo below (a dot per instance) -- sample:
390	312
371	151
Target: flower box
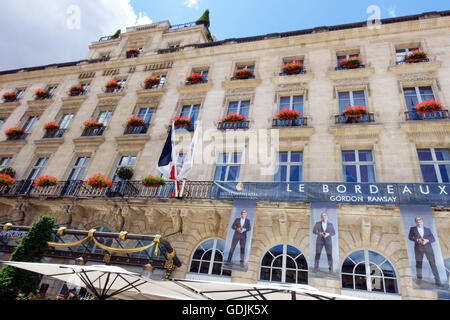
195	78
9	171
51	126
125	173
132	52
41	94
6	180
415	56
14	132
9	96
98	181
112	85
181	122
233	118
243	73
76	90
354	111
292	67
429	106
350	63
185	195
288	114
135	122
93	124
46	181
153	182
152	81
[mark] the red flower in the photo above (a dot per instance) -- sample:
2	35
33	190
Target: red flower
51	126
76	89
354	111
46	181
288	114
41	93
111	85
14	132
429	106
243	73
135	122
292	67
350	63
98	181
152	182
132	52
415	56
181	121
93	124
195	78
152	81
9	96
6	180
233	118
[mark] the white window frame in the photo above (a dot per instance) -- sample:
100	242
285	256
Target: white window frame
191	108
228	164
288	164
239	106
352	100
29	122
2	162
400	56
101	117
358	163
433	162
78	169
119	164
418	95
19	93
65	119
194	275
38	168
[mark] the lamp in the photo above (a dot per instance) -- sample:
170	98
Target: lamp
148	269
80	261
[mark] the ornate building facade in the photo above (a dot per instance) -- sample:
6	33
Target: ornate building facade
383	146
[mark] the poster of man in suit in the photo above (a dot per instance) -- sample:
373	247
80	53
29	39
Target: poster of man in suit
239	236
324	246
424	252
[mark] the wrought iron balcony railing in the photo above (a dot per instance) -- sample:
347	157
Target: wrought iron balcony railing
21	137
230	126
194	83
293	74
300	122
361	66
93	132
190	128
339	119
409	62
236	79
413	115
137	130
54	134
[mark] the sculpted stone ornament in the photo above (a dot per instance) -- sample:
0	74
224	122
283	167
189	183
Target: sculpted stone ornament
177	221
213	222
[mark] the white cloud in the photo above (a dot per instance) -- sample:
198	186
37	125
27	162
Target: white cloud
191	3
42	32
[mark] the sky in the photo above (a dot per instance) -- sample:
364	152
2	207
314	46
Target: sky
42	32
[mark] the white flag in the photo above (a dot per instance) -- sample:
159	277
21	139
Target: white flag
189	158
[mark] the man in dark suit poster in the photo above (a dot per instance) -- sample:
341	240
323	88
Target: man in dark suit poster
240	226
423	238
324	231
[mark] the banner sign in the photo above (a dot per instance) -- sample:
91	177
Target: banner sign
351	193
422	244
323	244
239	235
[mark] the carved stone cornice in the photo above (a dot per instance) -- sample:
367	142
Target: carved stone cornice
110	98
50	145
292	79
437	128
9	106
351	73
132	141
151	92
415	67
40	104
74	100
356	131
200	87
88	143
12	146
244	83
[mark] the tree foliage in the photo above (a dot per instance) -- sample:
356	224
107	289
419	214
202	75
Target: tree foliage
32	248
116	35
204	19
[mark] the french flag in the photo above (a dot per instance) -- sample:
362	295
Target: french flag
166	163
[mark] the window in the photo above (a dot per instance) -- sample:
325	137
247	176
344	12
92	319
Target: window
434	165
121	83
284	263
65	120
191	111
75	174
162	81
346	56
351	98
51	90
4	162
228	167
19	93
29	123
414	95
2	120
208	258
290	61
289	167
204	73
402	53
369	271
33	173
358	166
146	114
118	183
85	87
250	67
239	107
104	116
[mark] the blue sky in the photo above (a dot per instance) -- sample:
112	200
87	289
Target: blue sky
42	32
241	18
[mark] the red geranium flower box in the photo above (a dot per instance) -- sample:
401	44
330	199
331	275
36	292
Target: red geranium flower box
181	121
98	181
350	63
76	90
415	56
42	94
294	67
112	85
14	132
46	181
429	106
9	96
152	81
132	52
243	73
93	124
6	180
288	114
153	182
233	118
185	195
195	78
135	122
51	126
354	111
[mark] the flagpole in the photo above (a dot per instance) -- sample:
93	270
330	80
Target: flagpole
174	157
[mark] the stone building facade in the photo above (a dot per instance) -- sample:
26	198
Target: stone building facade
390	134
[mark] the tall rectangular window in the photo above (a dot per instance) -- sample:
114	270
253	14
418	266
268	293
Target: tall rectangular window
292	103
65	120
19	93
75	174
290	167
358	166
239	107
228	167
414	95
104	116
402	53
33	173
2	120
4	162
51	90
434	164
85	87
351	98
124	161
146	114
28	124
203	72
191	111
